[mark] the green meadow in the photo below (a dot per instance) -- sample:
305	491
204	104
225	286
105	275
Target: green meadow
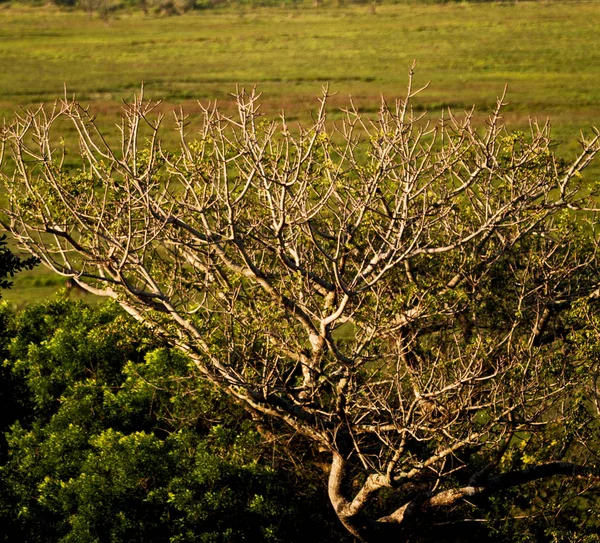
548	53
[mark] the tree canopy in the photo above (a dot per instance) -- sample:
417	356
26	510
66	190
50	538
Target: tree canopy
105	436
418	298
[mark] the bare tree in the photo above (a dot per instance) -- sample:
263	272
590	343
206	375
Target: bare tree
417	298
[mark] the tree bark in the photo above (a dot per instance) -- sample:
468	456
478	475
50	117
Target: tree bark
394	525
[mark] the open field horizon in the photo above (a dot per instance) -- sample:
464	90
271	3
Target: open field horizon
546	53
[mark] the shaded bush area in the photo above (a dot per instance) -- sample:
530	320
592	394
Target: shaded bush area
107	436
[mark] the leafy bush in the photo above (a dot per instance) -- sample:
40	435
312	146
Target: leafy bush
111	440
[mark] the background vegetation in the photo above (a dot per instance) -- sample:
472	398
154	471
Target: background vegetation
545	52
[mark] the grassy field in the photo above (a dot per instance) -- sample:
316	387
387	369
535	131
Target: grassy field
547	52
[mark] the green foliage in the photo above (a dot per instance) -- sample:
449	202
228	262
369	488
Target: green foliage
109	437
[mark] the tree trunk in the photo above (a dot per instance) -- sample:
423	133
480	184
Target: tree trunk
350	511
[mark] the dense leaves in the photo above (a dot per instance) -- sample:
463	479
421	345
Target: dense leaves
108	437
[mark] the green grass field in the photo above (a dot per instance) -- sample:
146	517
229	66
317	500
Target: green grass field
547	52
